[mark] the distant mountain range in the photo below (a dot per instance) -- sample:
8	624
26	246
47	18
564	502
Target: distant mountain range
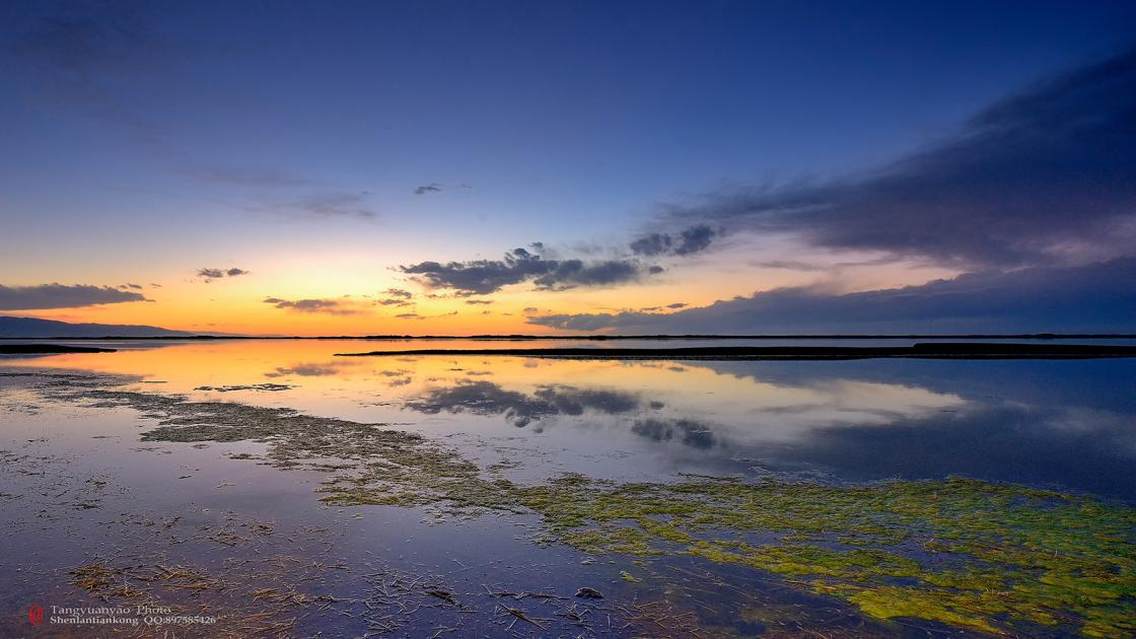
31	327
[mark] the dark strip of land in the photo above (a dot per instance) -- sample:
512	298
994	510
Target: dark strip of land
589	338
39	349
933	350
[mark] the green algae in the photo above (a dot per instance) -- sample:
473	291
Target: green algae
966	553
988	557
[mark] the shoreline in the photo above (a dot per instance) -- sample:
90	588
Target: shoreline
945	350
588	337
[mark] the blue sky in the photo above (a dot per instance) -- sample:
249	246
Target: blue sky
156	137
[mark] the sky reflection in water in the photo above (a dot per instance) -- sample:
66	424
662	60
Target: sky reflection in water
1070	424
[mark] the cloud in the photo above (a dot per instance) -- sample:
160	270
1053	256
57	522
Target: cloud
396	297
793	265
687	242
210	274
44	296
101	60
481	277
327	306
1092	298
249	177
336	205
1047	176
409	316
479	301
435	187
76	46
573	273
342	204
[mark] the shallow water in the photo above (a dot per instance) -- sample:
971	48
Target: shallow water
81	486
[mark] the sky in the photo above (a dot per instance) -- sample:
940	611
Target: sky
339	168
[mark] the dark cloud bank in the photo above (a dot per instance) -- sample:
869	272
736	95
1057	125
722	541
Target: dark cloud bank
1098	297
1044	176
43	296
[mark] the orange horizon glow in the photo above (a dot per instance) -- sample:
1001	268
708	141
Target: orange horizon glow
236	305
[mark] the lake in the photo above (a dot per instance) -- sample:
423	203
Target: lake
271	488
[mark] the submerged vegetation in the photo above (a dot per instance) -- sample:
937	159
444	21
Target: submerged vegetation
986	557
989	557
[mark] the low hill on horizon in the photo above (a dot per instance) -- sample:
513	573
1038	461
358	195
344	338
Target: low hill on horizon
34	328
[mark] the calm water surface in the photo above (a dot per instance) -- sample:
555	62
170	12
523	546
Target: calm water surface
1065	424
1069	425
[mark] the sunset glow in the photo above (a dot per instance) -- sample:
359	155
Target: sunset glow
507	178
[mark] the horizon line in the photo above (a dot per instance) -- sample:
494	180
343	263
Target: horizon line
594	337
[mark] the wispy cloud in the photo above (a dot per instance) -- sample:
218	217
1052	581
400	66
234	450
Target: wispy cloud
105	59
342	204
46	296
396	297
78	54
437	187
326	306
328	204
249	176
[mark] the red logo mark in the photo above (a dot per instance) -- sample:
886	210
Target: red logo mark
35	614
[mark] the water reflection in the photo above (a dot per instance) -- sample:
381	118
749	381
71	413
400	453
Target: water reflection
521	409
310	369
1063	423
686	431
